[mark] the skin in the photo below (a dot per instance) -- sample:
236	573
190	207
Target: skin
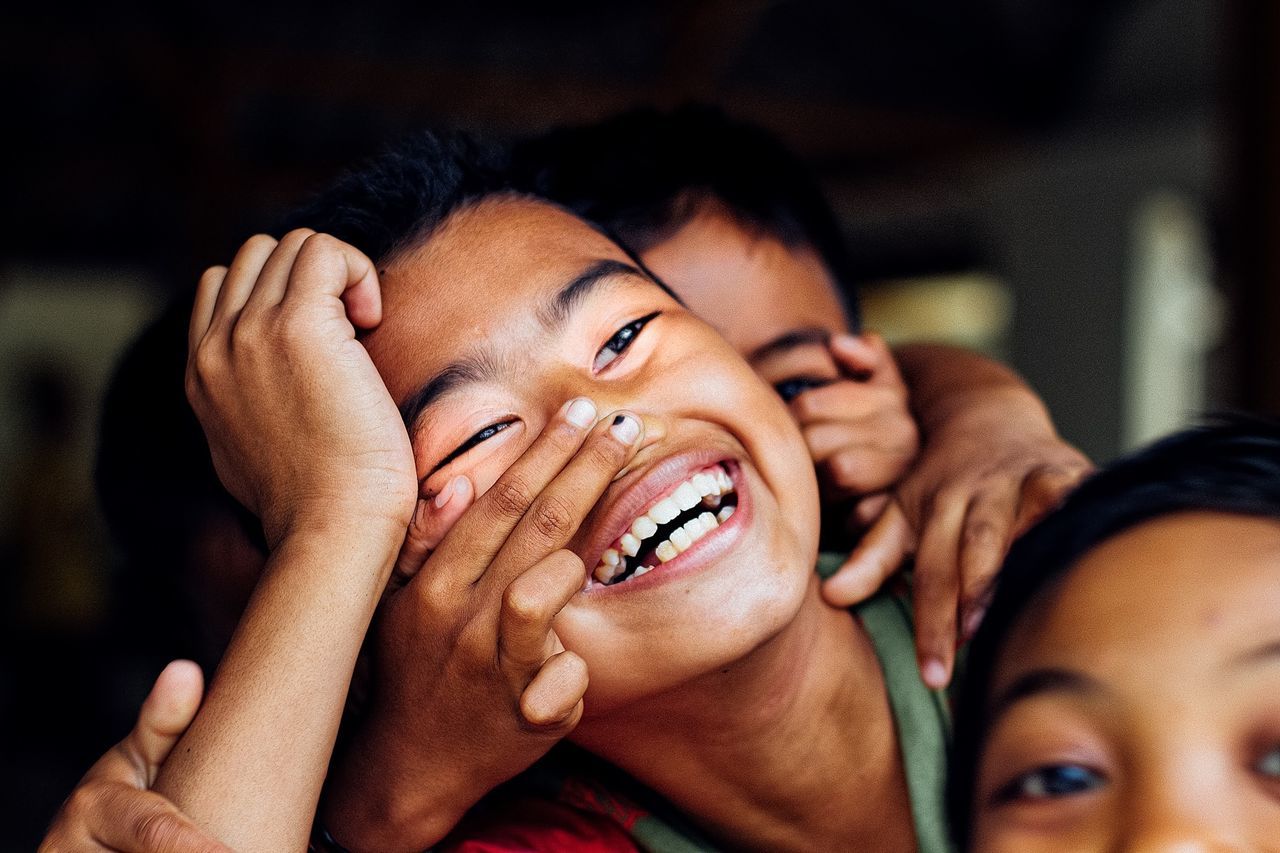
747	619
1163	642
991	462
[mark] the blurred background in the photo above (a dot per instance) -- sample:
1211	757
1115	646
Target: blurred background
1089	190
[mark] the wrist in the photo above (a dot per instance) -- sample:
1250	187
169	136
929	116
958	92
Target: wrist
378	799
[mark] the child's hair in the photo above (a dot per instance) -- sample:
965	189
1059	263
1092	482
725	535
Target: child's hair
397	198
1231	465
644	174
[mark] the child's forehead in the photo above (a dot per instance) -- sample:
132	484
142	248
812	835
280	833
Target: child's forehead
491	273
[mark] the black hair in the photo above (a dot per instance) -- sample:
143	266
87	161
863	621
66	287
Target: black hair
399	197
644	174
1231	465
153	474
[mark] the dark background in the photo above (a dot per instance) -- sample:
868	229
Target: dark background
1014	138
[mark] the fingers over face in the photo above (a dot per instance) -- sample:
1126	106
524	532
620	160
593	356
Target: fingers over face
555	514
433	517
529	605
479	534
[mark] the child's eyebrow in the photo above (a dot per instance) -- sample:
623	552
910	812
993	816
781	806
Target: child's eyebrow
790	340
552	313
1038	682
1268	652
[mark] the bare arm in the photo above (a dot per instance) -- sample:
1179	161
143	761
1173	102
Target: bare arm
303	432
991	463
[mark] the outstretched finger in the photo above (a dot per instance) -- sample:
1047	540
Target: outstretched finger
937	589
479	534
878	556
988	530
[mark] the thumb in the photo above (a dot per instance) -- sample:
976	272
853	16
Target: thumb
166	713
877	557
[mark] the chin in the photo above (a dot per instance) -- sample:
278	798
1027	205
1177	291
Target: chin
685	630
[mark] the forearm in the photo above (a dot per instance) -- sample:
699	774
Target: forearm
250	768
948	383
379	796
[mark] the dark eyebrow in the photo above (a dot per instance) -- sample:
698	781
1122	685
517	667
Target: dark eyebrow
1265	653
464	371
1036	683
791	340
554	313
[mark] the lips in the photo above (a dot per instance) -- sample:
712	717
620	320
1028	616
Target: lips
682	501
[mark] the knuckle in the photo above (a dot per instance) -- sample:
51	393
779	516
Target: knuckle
981	532
157	829
81	801
605	454
521	605
509	497
212	276
260	242
552	517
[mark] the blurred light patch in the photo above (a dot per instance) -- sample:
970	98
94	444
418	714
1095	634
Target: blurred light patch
973	309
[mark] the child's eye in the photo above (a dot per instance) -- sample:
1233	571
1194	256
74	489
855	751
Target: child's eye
1050	782
483	435
1269	764
789	389
621	339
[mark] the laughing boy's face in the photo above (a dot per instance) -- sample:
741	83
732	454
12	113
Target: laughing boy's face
703	546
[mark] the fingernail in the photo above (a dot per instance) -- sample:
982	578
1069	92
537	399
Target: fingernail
934	673
625	429
972	621
581	413
846	341
446	494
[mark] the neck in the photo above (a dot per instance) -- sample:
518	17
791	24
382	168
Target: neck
792	747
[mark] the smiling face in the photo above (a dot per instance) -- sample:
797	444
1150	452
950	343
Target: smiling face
512	308
776	305
1139	703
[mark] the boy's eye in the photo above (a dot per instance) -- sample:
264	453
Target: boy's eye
789	389
621	339
1050	782
483	435
1269	764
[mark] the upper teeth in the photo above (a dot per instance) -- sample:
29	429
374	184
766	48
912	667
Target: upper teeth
706	486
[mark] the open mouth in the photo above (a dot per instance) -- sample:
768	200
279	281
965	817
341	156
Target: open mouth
670	526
